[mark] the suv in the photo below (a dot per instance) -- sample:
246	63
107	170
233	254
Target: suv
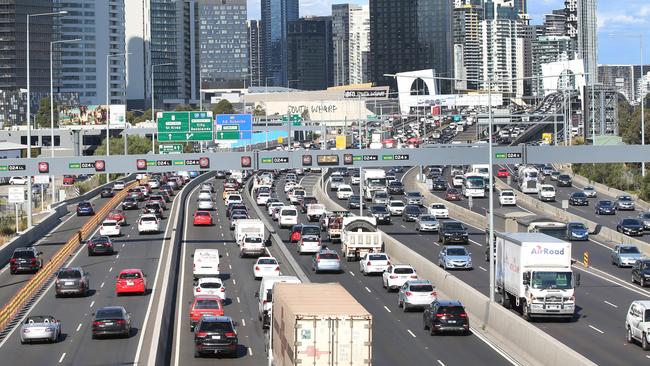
396	187
637	323
215	334
26	259
445	315
416	293
85	209
72	281
100	245
641	272
452	232
129	203
381	214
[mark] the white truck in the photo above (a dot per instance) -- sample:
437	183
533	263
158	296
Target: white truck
533	274
360	236
309	331
314	211
528	179
373	180
245	231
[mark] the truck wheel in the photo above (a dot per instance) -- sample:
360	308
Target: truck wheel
644	342
525	312
628	335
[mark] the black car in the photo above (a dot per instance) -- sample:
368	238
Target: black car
630	226
411	213
605	207
100	245
439	184
563	180
166	188
307	200
26	259
220	174
130	203
452	232
381	214
641	272
71	281
445	315
578	199
107	192
355	201
111	321
395	187
153	208
85	209
235	206
215	334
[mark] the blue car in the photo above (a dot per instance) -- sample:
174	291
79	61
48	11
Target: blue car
605	208
455	257
85	208
577	231
193	174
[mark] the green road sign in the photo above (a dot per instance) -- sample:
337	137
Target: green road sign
295	119
227	135
170	149
184	126
373	117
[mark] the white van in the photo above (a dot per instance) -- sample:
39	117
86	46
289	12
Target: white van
288	216
265	295
205	263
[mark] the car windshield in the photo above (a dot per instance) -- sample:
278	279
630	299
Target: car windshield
578	226
253	240
233	197
548	189
202	213
454	226
129	275
579	195
109	223
645	215
377	257
507	193
311	230
107	314
210	285
631	222
69	274
421	288
427	218
606	203
379	209
413	195
475	183
148	219
215	327
403	270
38	319
412	209
625	198
84	205
381	195
129	199
438	207
329	255
289	213
267	261
23	254
456	251
395	184
206	304
397	204
551	280
629	250
452	310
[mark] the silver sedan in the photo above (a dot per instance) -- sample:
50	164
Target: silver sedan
455	256
326	260
40	328
426	223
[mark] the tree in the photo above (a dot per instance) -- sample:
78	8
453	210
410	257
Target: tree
259	110
305	115
223	107
184	108
137	145
43	115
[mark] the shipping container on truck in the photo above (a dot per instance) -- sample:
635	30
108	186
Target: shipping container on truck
319	324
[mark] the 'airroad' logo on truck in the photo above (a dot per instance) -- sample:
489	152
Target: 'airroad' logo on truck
547	251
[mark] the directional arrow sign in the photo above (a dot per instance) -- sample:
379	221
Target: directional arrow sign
185	126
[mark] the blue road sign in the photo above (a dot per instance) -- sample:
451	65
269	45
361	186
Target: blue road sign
244	123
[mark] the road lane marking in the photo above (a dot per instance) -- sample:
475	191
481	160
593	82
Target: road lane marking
482	268
117	256
403	226
387	309
227	255
110	269
367	289
596	329
411	333
234	282
79	327
102	285
243	322
62	357
352	273
610	304
230	266
441	363
123	245
250	351
238	300
92	303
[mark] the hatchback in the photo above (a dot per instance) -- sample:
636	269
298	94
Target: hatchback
445	315
111	320
72	281
455	257
326	260
210	286
266	266
411	212
416	294
131	281
100	245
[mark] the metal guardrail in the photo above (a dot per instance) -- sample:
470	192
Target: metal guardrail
39	281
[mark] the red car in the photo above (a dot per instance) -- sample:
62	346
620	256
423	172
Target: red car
117	215
202	218
131	281
204	305
453	195
68	179
503	173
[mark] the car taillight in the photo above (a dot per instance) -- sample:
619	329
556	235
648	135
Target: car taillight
121	321
441	315
33	260
392	277
388	263
277	268
201	334
230	334
12	260
264	302
463	315
96	323
223	289
198	289
409	293
414	276
257	268
434	293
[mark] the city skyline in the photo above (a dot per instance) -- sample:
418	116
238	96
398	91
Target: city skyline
627	22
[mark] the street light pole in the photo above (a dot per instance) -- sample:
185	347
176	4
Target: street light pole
52	192
491	193
29	112
642	107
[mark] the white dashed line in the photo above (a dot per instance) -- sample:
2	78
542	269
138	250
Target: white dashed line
610	304
403	226
243	322
62	357
117	256
78	327
596	329
102	285
441	363
411	333
230	266
250	351
352	273
367	289
238	300
92	303
387	309
234	282
227	255
482	268
110	269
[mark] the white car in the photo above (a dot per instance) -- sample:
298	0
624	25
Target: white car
507	197
637	323
205	194
457	181
291	185
439	210
206	204
233	198
396	275
374	263
395	207
344	192
210	286
262	198
272	206
207	187
118	185
296	195
110	228
308	244
546	192
17	181
148	223
154	184
266	266
287	217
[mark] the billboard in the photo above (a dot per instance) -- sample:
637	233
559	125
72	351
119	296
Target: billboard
83	115
117	114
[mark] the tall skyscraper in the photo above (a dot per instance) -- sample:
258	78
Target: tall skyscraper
162	32
351	40
255	56
582	28
548	49
275	17
84	64
223	43
467	39
410	35
555	24
310	54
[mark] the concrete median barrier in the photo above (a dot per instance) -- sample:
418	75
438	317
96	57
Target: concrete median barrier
520	340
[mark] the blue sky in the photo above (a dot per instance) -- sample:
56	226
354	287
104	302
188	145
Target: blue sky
628	17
